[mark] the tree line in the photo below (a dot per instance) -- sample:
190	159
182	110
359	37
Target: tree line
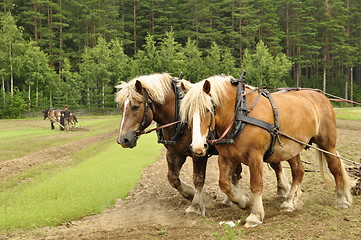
56	52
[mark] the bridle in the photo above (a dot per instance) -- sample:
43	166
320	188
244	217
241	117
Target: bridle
148	105
179	127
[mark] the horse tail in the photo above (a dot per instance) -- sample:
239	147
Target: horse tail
325	172
75	119
348	182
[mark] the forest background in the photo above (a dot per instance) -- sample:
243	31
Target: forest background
57	52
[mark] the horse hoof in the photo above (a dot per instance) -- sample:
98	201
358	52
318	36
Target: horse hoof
288	207
343	205
252	221
228	202
287	210
192	211
252	224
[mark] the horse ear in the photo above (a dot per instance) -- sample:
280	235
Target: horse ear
207	87
139	87
184	89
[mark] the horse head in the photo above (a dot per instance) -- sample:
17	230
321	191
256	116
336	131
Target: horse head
137	114
198	108
46	113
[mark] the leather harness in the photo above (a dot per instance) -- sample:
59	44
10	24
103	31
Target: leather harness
241	118
179	126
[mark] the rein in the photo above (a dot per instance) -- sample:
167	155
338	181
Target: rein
157	128
215	141
334	97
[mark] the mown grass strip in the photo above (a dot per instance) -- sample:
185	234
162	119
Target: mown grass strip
68	194
28	136
349	113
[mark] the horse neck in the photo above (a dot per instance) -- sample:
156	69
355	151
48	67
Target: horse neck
165	113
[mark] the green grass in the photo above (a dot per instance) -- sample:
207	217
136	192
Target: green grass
105	173
349	113
23	137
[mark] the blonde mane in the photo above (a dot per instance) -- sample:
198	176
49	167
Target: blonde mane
158	86
196	100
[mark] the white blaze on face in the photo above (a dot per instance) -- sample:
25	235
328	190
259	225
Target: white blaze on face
126	102
198	140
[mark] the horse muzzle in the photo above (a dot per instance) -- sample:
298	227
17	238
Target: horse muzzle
199	151
127	140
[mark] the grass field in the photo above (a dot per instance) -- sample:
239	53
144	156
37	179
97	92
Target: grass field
88	181
85	182
349	113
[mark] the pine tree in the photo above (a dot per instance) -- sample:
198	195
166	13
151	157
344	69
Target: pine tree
301	32
269	28
263	69
194	68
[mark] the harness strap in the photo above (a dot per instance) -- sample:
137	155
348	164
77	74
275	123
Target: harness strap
259	123
179	126
241	117
274	132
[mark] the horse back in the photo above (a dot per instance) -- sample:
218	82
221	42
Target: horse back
303	114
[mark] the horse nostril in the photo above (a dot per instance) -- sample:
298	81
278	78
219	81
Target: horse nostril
190	147
125	140
206	146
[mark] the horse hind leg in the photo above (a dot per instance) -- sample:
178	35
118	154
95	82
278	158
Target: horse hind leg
293	199
199	174
236	176
283	185
229	185
343	182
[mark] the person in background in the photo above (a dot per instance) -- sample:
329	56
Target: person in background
65	114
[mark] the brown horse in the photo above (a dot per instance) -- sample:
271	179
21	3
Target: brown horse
153	97
306	115
53	115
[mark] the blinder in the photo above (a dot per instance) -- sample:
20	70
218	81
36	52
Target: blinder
148	105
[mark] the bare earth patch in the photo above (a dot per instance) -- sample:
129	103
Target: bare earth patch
154	210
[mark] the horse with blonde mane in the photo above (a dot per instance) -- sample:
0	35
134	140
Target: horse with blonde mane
155	97
306	115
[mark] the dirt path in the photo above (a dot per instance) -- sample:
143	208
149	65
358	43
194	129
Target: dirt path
154	210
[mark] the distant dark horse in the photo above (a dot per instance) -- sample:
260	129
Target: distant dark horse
54	115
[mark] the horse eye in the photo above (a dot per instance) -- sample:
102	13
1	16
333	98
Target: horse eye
135	108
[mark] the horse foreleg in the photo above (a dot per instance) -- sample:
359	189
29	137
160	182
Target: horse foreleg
52	125
229	184
175	163
293	200
199	175
283	185
256	183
